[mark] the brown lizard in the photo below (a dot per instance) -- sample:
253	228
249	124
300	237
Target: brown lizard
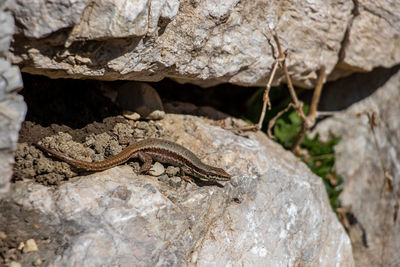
160	150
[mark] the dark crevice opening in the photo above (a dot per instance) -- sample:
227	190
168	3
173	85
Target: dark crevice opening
76	103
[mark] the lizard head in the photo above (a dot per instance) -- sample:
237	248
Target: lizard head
217	174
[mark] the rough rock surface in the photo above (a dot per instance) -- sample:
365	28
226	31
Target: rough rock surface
374	36
12	106
374	226
204	42
274	211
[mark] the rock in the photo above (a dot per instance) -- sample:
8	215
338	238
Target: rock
373	24
21	246
141	125
131	115
371	211
157	169
7	26
163	178
175	181
274	211
15	264
12	105
3	235
37	262
204	42
140	98
155	115
42	18
172	171
30	246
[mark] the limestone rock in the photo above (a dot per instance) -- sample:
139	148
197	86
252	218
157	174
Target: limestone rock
374	229
30	246
373	37
15	264
42	17
274	211
203	42
12	105
157	169
364	50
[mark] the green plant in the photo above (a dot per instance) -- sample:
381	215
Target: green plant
253	105
320	158
318	155
288	127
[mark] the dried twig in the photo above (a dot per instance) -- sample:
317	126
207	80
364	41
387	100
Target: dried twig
317	94
266	100
309	121
271	123
295	147
297	106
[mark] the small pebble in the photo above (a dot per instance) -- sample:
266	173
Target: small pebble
175	181
13	254
30	246
156	115
131	115
138	133
159	127
3	235
21	246
172	171
141	125
157	169
163	178
15	264
47	240
37	262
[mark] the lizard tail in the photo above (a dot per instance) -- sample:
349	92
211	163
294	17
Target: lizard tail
80	164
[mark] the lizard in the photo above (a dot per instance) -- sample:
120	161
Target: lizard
148	150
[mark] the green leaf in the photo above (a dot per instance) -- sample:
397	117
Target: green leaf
321	156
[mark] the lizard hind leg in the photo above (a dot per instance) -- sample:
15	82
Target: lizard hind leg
184	175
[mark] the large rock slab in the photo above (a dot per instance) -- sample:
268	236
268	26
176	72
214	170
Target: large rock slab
375	24
204	42
12	105
274	211
371	210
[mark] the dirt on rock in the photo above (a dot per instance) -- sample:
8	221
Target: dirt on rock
95	142
72	117
27	237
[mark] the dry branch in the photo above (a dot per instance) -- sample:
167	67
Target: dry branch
307	121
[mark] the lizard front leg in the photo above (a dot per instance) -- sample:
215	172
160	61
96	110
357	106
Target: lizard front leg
147	160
